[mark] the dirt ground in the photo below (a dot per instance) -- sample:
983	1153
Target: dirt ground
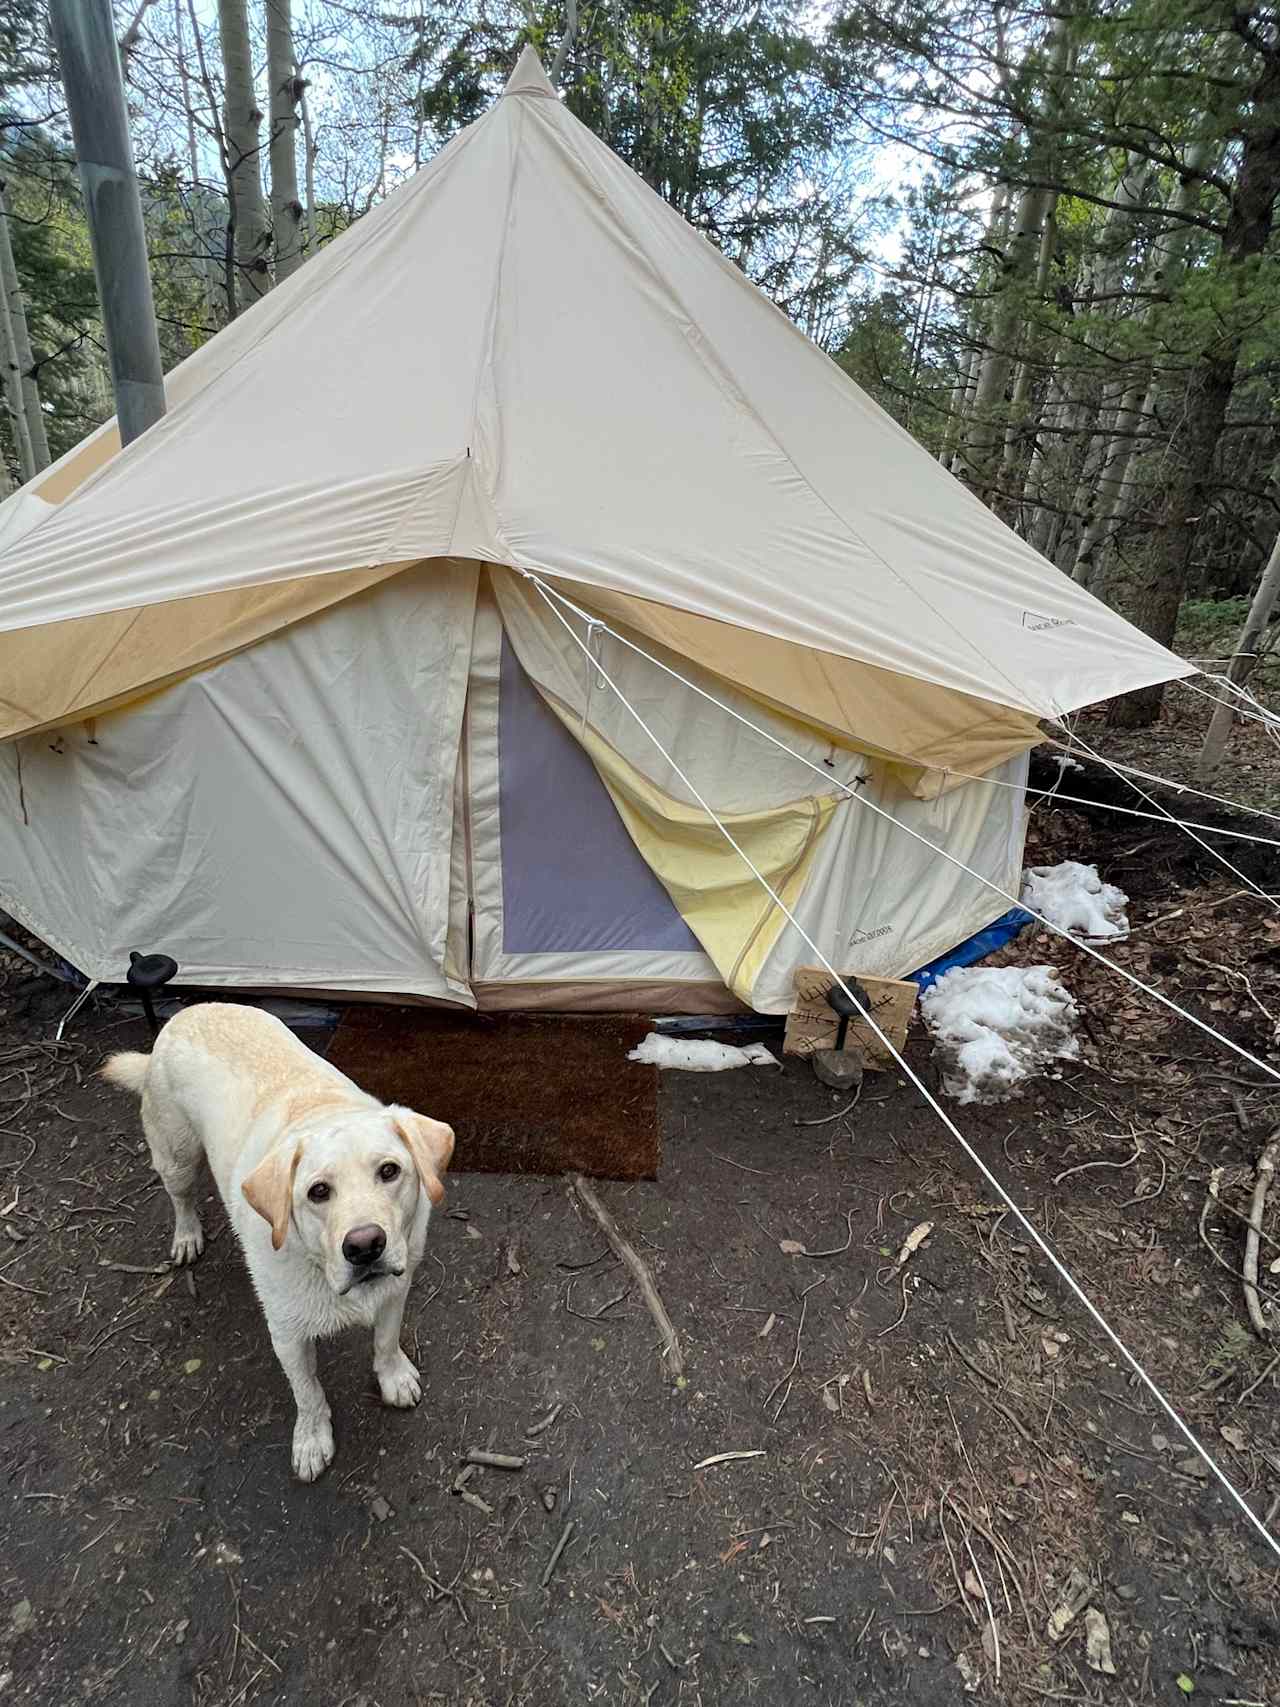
937	1447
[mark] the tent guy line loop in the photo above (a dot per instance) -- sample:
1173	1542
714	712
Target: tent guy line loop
1023	1220
1243	704
833	783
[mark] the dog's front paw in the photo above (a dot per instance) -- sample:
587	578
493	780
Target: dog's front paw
313	1448
399	1383
188	1242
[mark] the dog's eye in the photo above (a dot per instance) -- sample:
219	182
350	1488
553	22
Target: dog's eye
319	1192
389	1171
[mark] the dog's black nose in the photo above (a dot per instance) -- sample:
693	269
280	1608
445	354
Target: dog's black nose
364	1245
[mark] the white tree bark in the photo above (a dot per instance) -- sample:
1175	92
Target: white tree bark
556	70
241	123
208	264
32	412
13	392
1023	380
282	80
962	394
309	146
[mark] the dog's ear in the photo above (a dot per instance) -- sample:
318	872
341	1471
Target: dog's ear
269	1189
430	1143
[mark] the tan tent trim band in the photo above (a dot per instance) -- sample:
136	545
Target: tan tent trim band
69	671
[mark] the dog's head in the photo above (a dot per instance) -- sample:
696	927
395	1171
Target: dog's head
346	1187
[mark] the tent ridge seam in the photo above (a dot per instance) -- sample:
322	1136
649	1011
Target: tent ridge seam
704	347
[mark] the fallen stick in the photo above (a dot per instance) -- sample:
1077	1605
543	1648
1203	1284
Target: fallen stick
1254	1385
495	1460
727	1458
535	1429
784	1381
566	1535
639	1271
1263	1177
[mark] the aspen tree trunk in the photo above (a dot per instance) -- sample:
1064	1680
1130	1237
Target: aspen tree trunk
241	122
282	79
33	414
1112	490
309	168
207	263
962	393
1015	434
13	393
984	440
1243	659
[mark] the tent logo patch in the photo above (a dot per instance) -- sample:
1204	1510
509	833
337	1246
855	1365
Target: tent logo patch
869	936
1032	619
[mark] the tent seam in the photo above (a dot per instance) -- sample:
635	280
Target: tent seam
430	172
704	348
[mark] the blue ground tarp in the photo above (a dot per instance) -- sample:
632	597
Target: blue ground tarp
967	953
977	948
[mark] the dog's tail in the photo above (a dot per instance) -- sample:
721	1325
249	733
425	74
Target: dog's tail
128	1070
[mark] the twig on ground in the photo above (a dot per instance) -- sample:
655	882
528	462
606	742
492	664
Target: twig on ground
728	1458
835	1251
639	1270
1010	1331
840	1113
1080	1168
566	1535
1211	1196
741	1166
1141	1196
902	1318
541	1427
468	1498
495	1460
969	1362
785	1380
589	1315
439	1591
991	1617
111	1334
1264	1174
951	1559
1254	1385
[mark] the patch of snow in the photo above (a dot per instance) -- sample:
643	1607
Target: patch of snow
1074	898
995	1026
698	1054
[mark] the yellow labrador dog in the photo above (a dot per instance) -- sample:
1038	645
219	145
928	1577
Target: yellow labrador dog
328	1190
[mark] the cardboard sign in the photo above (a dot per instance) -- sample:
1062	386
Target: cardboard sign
811	1025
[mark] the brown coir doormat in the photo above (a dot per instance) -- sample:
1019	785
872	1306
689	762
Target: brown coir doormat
525	1094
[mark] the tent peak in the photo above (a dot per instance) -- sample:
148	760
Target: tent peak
529	78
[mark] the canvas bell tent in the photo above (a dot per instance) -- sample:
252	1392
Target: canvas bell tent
287	692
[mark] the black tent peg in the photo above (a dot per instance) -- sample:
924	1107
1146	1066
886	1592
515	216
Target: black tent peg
148	972
840	1004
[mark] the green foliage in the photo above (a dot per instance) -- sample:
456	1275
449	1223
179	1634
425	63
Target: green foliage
731	114
55	267
1233	1349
